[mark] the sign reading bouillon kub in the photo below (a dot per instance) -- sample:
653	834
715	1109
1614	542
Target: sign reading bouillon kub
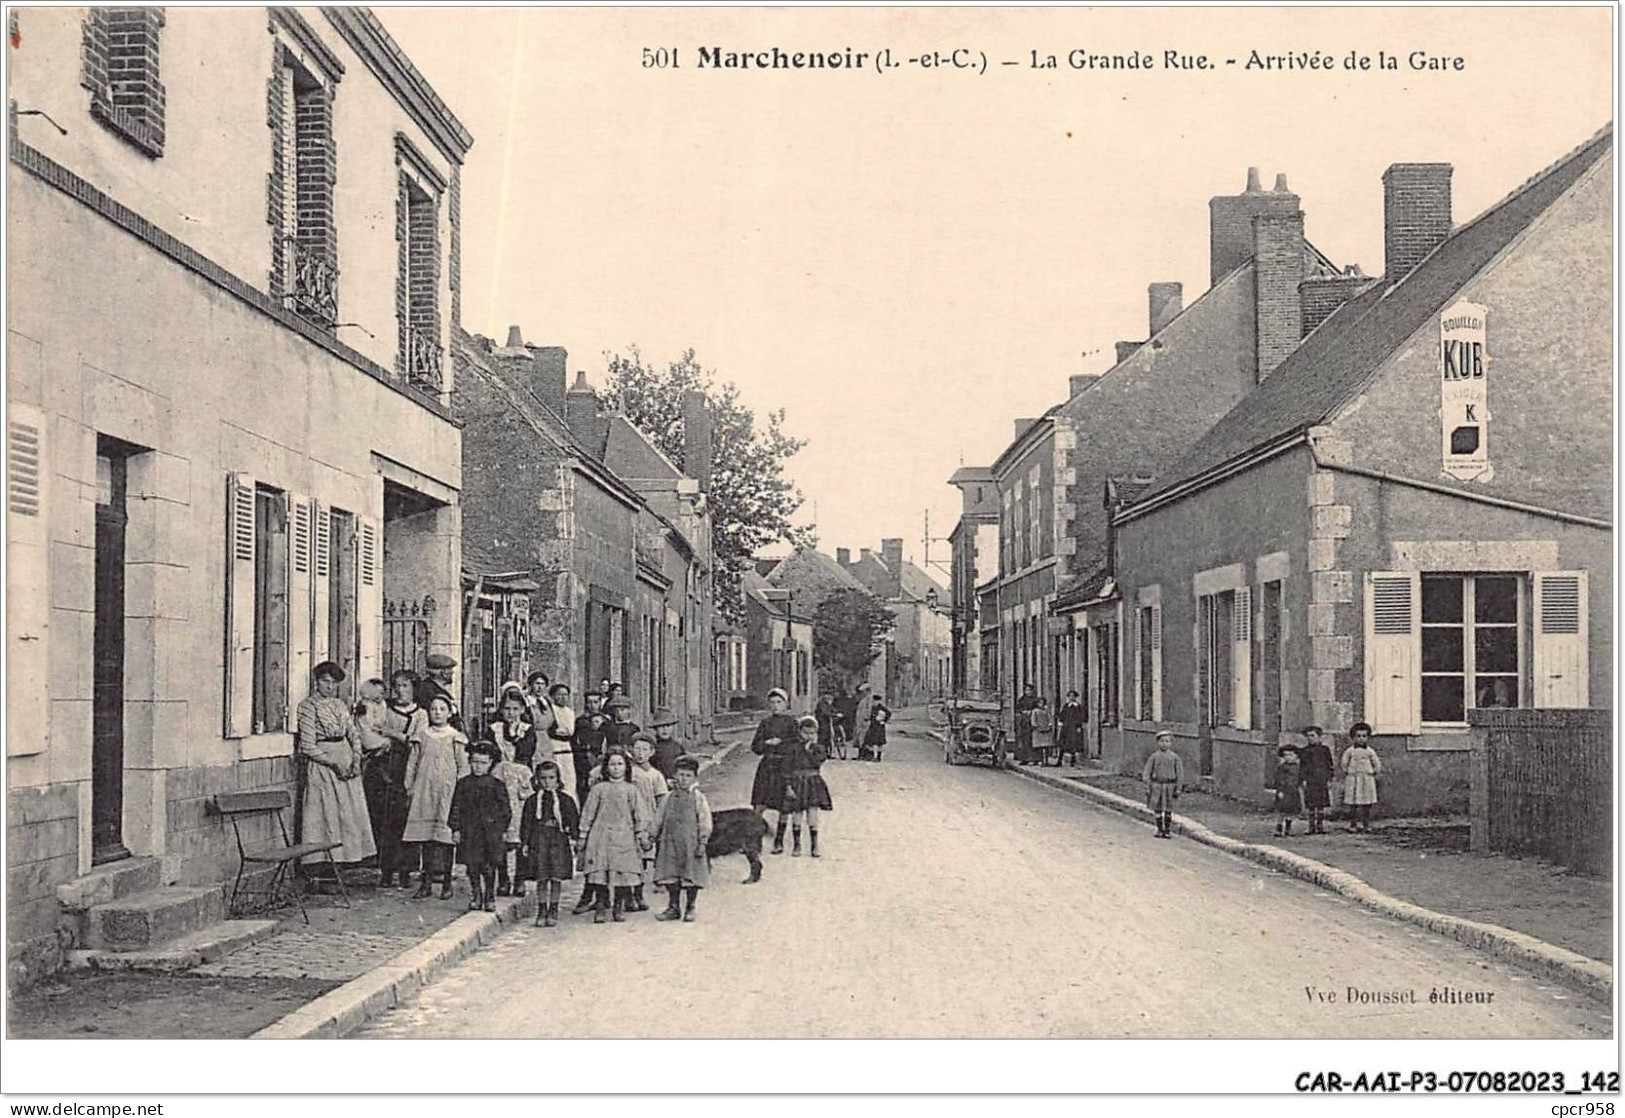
1464	413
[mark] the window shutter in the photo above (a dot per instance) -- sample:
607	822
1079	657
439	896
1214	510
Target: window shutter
321	557
1241	662
369	596
1562	655
1393	651
28	608
1156	663
301	561
239	691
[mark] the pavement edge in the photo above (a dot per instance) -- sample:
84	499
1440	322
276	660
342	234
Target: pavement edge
342	1011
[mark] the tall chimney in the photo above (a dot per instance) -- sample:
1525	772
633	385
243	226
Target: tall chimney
1230	222
697	438
1082	382
843	556
581	408
1278	269
551	374
892	552
1166	300
1415	215
515	339
1125	349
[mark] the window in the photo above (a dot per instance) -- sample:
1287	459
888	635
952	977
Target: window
304	248
1271	662
417	289
1472	647
270	711
1106	643
1215	647
1149	646
1036	549
119	58
802	675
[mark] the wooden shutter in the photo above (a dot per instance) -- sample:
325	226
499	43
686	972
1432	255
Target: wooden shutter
239	690
1393	651
301	562
1156	663
1562	656
321	559
28	608
369	597
1241	661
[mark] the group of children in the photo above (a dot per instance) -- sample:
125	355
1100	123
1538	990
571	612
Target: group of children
511	823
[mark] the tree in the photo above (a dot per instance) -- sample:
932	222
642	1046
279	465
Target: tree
750	498
847	630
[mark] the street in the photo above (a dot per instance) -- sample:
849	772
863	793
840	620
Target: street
960	902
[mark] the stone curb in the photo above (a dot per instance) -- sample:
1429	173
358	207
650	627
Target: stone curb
1590	976
342	1011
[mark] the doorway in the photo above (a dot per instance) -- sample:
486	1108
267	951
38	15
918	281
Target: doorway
107	653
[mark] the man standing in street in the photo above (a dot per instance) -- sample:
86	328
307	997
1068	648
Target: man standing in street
436	680
1025	706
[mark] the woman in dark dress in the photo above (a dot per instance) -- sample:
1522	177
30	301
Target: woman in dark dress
775	737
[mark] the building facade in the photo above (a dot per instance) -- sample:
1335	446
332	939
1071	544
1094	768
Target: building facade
230	440
974	546
917	661
1411	517
778	644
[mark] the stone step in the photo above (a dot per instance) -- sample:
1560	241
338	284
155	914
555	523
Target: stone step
150	919
111	882
207	945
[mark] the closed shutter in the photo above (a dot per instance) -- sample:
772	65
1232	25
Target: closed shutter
1393	651
301	561
239	689
1241	661
321	558
370	597
1562	659
28	607
1156	663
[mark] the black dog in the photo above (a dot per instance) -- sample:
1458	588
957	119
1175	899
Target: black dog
738	830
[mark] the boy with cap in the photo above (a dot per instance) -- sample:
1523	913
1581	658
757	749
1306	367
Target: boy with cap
667	747
1163	773
437	681
587	743
478	819
621	727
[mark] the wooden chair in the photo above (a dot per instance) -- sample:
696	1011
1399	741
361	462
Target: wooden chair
282	888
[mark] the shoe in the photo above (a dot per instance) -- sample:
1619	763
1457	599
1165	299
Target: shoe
474	902
552	916
672	913
445	890
518	890
812	843
795	851
688	916
618	911
423	891
636	903
584	902
599	916
490	904
504	891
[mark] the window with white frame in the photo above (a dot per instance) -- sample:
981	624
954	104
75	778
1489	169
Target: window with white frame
1271	657
1472	645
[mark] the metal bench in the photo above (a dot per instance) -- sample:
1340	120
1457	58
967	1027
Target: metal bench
282	888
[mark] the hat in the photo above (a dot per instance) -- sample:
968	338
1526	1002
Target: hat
662	718
779	691
439	661
687	762
808	720
643	735
488	748
620	702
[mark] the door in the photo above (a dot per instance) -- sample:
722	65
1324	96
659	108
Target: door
107	668
344	643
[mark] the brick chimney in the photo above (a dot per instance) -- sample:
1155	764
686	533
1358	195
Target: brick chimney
1278	267
892	552
1230	222
1165	301
1081	382
1415	215
581	409
1320	296
1125	349
551	375
843	556
697	438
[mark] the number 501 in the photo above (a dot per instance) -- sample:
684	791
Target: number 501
660	58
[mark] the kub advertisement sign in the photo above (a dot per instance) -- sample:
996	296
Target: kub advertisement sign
1464	413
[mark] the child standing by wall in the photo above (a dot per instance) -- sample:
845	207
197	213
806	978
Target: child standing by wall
1361	765
478	818
549	824
433	767
616	827
1163	774
652	783
515	777
1316	761
1287	783
682	828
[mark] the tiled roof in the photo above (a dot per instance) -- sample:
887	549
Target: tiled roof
1098	584
1337	360
917	584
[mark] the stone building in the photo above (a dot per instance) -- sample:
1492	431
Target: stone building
918	658
234	251
1410	517
778	644
974	545
612	540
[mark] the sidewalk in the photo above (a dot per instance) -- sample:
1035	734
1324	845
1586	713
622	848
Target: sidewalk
261	984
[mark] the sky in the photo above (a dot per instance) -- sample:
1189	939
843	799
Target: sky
907	261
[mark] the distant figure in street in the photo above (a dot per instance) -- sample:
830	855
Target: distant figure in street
1361	766
587	743
861	709
478	818
1316	761
334	805
436	763
1163	774
616	829
1287	782
516	779
548	829
667	747
556	742
1025	706
682	830
806	793
1069	721
844	722
775	736
874	737
824	712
